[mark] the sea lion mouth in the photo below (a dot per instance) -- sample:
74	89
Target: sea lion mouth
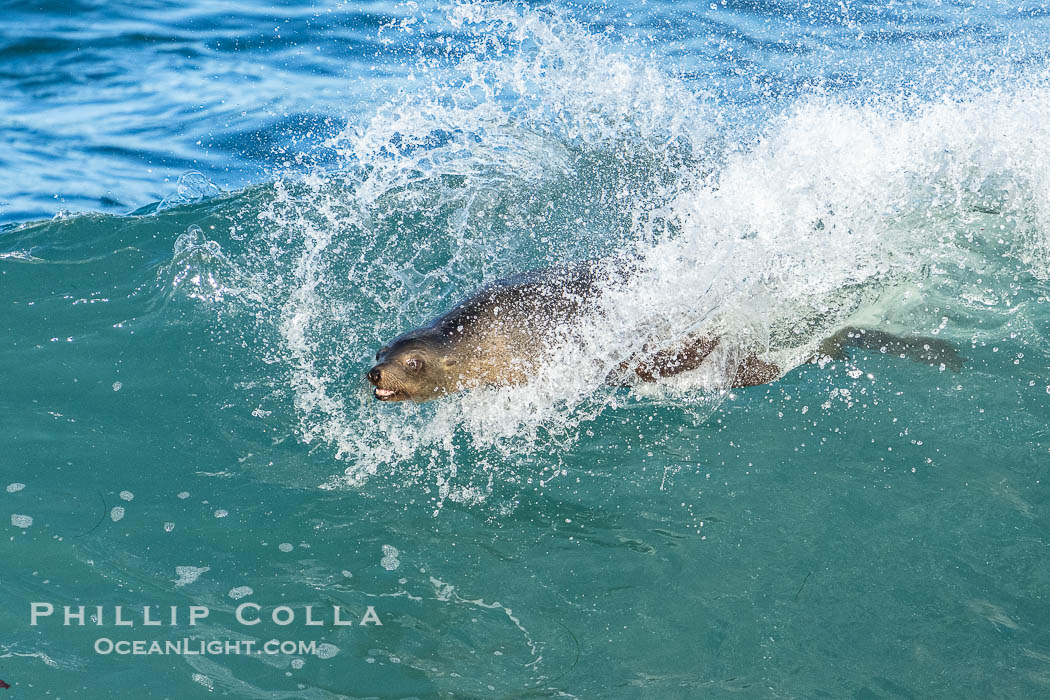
388	394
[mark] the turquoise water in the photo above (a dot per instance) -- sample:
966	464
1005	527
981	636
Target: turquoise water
214	216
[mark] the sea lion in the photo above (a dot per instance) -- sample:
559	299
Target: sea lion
924	349
499	337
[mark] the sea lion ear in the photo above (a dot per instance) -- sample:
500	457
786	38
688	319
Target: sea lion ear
449	361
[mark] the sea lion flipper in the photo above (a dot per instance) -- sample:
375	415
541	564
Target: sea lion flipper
689	356
753	371
930	351
834	347
670	361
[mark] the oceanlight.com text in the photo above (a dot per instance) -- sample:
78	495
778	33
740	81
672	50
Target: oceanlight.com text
199	647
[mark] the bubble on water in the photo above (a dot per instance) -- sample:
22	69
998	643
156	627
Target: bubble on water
220	513
127	495
117	514
199	267
169	526
189	574
15	487
346	574
192	186
117	386
325	650
240	592
183	495
297	663
22	521
285	546
390	560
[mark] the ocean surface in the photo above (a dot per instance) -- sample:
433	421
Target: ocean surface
213	214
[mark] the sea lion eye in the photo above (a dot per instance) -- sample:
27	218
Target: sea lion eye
414	363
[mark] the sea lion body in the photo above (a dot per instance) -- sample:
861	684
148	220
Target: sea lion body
503	334
500	335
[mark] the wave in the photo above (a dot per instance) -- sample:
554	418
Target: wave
544	142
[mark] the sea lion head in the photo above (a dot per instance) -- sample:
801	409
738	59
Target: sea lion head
414	366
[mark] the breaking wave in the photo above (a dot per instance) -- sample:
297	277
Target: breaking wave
532	140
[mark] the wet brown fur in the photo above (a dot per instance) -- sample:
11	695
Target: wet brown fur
498	336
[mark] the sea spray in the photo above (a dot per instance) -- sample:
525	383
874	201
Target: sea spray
543	142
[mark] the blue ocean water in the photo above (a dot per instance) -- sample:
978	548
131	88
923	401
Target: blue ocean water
212	216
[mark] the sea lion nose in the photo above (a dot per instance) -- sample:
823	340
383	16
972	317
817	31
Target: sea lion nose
374	375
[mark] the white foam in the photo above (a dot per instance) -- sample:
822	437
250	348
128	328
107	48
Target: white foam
390	561
770	237
240	592
189	574
203	680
